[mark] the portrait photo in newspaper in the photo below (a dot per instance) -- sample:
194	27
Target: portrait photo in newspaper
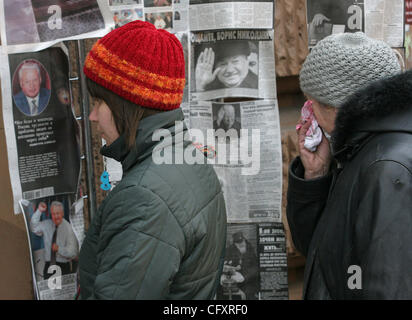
240	276
326	17
33	21
31	87
53	244
226	117
232	63
42	122
227	64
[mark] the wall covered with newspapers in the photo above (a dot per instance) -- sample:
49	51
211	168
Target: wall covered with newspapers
229	54
230	106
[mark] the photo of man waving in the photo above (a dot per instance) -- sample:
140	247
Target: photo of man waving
226	65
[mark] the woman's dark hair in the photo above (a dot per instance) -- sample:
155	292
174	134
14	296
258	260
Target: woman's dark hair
126	114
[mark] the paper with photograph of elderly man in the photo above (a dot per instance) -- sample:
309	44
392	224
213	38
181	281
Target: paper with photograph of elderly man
54	244
229	64
41	131
34	82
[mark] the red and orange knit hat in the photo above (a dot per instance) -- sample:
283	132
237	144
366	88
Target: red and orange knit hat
139	63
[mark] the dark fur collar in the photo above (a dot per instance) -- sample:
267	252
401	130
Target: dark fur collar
385	105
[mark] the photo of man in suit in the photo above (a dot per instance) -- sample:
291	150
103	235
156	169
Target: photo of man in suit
32	99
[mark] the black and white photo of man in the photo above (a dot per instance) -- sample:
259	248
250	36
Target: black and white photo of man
226	64
326	17
226	117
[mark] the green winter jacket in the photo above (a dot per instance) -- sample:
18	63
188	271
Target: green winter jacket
161	232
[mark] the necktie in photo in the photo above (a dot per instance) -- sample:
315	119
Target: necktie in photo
35	108
53	253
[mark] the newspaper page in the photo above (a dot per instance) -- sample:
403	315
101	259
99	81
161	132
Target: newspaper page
408	34
232	63
32	25
326	17
41	132
243	141
385	21
54	245
255	266
218	14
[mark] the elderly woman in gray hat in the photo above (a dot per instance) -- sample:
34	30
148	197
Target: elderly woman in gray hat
349	202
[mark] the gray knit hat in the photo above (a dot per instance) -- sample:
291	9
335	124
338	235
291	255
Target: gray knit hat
341	64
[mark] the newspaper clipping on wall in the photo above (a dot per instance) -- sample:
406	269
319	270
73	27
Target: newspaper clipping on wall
379	19
232	63
42	135
326	17
218	14
30	25
244	140
385	21
170	15
255	266
125	11
55	229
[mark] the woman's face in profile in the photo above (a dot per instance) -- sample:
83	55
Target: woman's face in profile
102	115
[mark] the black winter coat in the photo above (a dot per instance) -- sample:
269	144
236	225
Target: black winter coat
360	214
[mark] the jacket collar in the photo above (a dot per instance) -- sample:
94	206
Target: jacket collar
144	143
383	106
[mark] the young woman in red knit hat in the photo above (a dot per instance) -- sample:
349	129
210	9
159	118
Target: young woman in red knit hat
160	233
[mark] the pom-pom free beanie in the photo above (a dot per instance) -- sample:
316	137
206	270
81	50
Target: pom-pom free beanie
341	64
140	63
